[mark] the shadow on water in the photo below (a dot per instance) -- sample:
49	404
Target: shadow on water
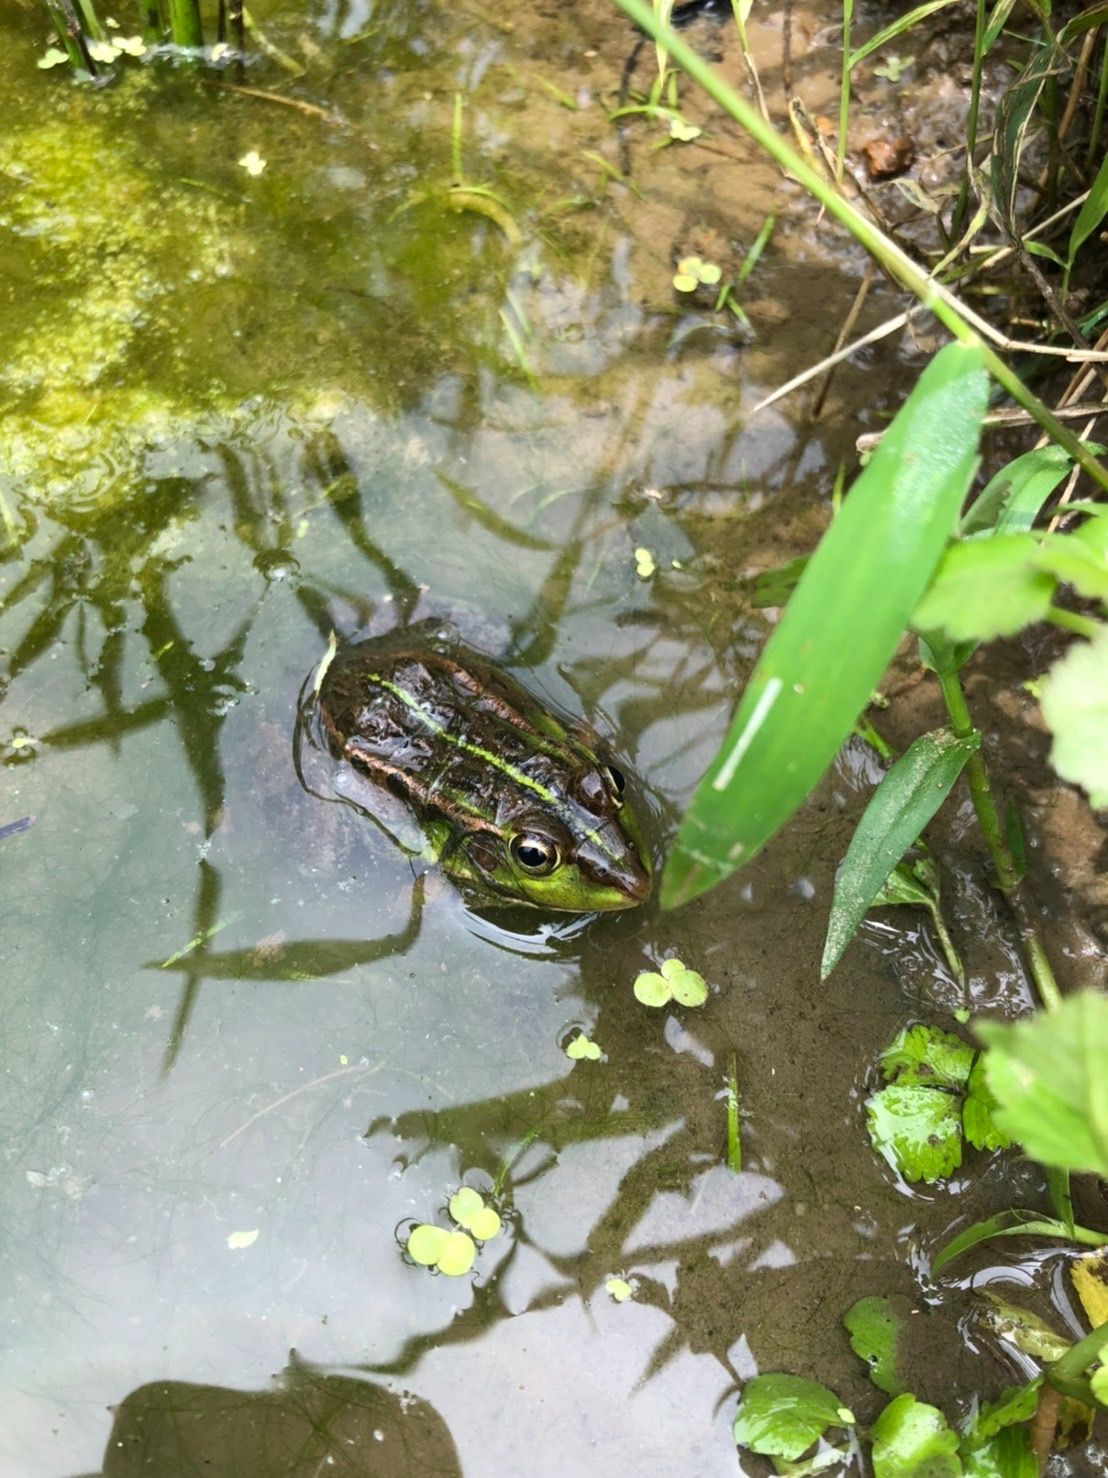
313	1421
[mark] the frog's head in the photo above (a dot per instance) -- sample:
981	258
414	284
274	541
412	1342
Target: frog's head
587	854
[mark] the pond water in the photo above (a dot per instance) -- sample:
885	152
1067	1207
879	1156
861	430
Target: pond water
244	1050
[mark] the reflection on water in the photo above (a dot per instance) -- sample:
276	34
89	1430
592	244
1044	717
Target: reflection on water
313	1422
331	400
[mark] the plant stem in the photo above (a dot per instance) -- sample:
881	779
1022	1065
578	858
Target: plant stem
891	257
1077	1359
992	829
1071	621
731	1097
844	93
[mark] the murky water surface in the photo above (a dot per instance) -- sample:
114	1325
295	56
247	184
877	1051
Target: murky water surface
242	411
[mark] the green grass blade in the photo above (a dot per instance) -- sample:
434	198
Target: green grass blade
901	806
1014	1224
1013	116
1014	498
839	630
896	28
1092	212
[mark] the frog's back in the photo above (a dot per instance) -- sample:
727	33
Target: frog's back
511	796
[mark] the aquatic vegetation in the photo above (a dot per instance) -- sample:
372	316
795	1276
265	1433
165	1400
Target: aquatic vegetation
676	982
619	1289
935	1095
581	1049
454	1252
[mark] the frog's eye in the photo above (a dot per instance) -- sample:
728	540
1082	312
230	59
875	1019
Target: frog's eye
617	783
533	854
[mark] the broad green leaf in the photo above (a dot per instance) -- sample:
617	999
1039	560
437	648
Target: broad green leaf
918	1129
1014	1224
783	1415
1070	559
1092	212
986	588
1074	698
875	1326
1006	1455
927	1056
1012	499
1048	1075
912	1440
839	630
899	809
978	1124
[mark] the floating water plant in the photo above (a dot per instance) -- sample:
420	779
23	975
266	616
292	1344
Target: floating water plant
581	1049
692	273
675	982
453	1252
644	563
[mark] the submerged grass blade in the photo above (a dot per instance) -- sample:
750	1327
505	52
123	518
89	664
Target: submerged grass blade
899	809
1014	1224
839	630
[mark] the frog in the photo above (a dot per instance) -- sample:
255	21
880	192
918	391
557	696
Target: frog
517	802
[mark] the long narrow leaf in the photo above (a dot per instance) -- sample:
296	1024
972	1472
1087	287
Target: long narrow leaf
899	809
840	628
1011	501
1013	117
1014	1224
1092	212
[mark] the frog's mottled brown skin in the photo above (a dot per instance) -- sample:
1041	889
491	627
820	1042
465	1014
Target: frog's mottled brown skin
513	800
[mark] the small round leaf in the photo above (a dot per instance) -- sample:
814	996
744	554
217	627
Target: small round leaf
465	1204
484	1225
425	1244
457	1255
651	989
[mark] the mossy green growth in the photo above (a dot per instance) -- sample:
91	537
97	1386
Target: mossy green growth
106	242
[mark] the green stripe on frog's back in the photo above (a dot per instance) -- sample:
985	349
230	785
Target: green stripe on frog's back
486	767
549	797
